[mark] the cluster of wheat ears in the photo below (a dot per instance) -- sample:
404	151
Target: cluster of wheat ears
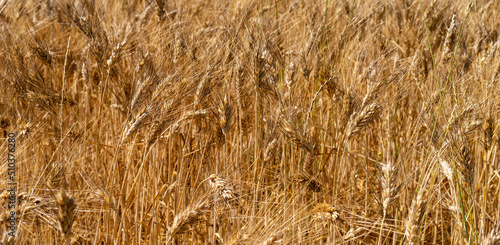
251	121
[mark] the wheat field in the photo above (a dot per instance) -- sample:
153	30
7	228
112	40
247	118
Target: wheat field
250	122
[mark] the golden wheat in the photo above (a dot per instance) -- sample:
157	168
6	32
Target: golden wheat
250	122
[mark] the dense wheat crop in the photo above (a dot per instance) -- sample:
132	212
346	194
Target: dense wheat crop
250	122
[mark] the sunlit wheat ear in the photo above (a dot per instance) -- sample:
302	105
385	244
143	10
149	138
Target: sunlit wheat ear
225	113
326	214
140	121
299	138
191	216
414	219
363	119
388	184
275	238
470	127
447	41
492	52
457	215
26	206
447	170
271	150
202	90
458	118
493	237
290	72
240	238
352	233
224	190
106	198
116	53
372	94
65	213
143	92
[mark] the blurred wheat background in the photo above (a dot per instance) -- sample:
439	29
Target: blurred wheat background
252	121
